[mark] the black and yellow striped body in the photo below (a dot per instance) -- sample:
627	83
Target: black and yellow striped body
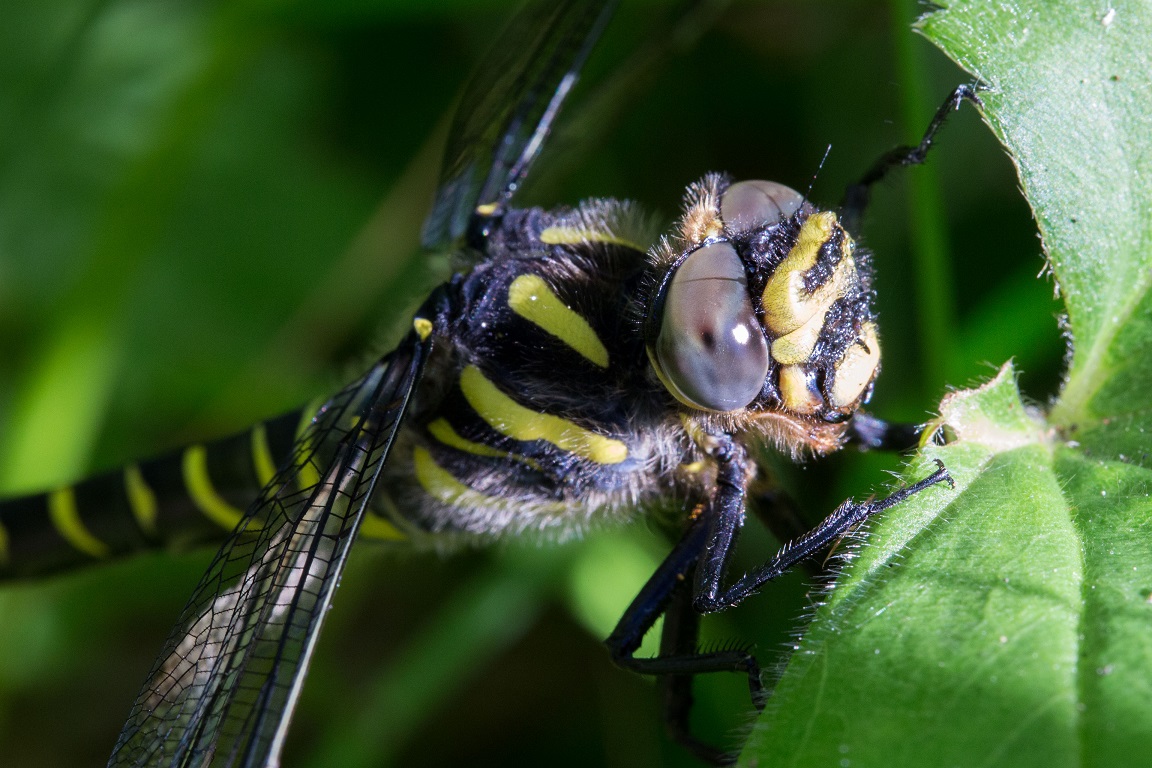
539	412
188	497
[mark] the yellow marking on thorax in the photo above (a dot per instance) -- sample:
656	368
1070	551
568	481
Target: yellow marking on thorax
693	467
511	419
487	209
441	485
204	496
307	476
262	455
376	527
64	515
561	235
141	499
307	415
423	327
443	432
534	300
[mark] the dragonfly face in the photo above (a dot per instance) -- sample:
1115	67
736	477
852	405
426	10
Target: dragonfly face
763	314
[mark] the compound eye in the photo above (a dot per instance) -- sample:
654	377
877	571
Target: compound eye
750	204
711	349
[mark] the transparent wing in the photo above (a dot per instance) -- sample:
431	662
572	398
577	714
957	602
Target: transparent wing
224	687
508	108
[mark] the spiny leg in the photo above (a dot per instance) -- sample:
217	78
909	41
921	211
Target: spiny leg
711	595
680	637
701	558
777	512
857	196
668	592
653	601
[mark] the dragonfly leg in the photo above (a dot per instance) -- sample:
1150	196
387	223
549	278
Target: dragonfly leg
876	434
668	593
710	593
857	196
700	559
680	638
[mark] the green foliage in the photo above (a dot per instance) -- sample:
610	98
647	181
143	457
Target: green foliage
1006	621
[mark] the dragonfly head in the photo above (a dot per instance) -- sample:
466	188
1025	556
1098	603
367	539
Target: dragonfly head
761	308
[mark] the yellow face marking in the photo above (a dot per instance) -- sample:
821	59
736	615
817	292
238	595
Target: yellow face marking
795	392
262	455
796	347
787	304
856	369
559	235
423	327
533	299
141	499
204	496
511	419
66	518
443	432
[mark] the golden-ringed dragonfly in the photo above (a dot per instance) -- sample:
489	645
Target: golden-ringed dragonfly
570	375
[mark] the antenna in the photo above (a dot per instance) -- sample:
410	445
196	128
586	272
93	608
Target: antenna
812	183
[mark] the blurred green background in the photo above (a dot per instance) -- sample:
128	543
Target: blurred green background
208	215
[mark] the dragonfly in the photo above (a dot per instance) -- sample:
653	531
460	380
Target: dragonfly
569	376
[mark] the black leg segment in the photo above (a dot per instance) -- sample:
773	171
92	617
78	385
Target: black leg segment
875	434
856	197
691	581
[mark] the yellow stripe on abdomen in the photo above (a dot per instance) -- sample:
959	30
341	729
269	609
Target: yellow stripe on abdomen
64	515
535	301
511	419
262	455
204	495
141	499
307	476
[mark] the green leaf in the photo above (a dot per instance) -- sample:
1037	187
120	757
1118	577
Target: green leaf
1006	621
1003	622
1069	98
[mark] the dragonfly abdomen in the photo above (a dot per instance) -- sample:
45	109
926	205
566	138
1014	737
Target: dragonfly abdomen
190	496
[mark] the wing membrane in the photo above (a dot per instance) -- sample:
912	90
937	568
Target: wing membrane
224	687
508	108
